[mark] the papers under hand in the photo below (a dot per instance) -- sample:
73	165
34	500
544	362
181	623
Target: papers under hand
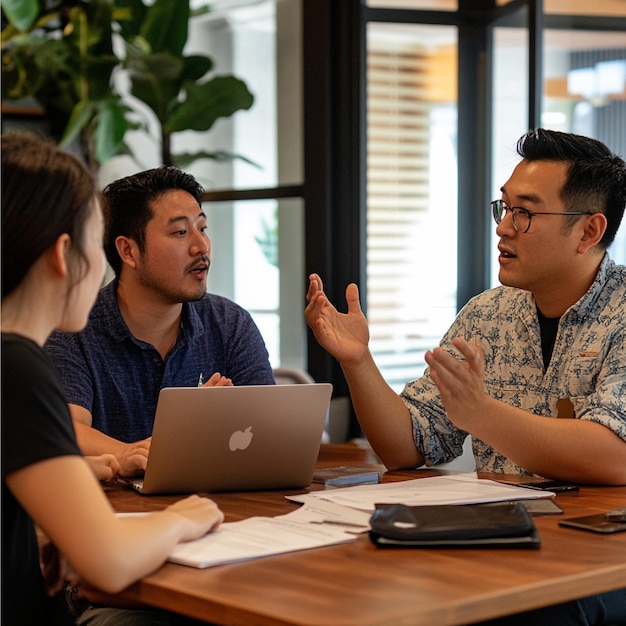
457	489
256	537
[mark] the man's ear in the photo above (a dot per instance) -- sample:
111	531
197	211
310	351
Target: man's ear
128	251
594	228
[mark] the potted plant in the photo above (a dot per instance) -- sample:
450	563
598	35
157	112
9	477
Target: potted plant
65	55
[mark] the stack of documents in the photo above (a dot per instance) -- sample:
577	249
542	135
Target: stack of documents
452	489
332	517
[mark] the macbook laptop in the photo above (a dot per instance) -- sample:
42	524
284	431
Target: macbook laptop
235	438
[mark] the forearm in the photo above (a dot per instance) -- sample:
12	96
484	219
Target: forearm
93	442
382	414
560	448
139	547
108	552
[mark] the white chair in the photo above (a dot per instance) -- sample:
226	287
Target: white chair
291	376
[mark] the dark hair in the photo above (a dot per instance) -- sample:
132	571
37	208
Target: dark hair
596	179
45	193
127	205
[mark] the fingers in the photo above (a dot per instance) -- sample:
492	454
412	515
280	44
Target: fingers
473	353
315	282
105	466
315	286
202	514
456	377
217	380
134	458
352	298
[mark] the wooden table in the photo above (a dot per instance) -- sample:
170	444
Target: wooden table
358	584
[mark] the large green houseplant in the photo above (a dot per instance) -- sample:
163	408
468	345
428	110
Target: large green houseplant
66	53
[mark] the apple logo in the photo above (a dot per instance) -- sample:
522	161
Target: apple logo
240	439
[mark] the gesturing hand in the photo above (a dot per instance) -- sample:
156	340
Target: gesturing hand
344	335
460	383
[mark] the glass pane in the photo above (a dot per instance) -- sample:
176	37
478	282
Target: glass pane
411	193
510	112
258	261
585	92
259	42
434	5
585	7
243	40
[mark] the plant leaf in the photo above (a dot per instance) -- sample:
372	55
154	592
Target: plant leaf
204	104
155	79
21	13
109	132
184	159
196	66
81	115
174	13
129	14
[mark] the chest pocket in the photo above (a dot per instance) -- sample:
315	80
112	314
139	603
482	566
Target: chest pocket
582	375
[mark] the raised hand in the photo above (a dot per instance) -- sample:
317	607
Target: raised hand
344	335
460	383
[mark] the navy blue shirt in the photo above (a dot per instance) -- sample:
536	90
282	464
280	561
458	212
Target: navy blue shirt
117	378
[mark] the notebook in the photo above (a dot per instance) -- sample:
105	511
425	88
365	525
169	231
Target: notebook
235	438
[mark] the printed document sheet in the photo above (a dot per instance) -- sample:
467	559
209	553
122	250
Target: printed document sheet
454	489
257	537
334	516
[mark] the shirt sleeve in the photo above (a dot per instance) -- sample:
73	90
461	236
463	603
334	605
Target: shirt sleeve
436	437
69	361
605	404
36	423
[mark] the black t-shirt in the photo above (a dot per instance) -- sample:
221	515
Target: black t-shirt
549	327
36	425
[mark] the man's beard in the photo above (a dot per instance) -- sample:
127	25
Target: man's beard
174	294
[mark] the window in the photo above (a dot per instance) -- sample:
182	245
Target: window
258	243
584	92
411	193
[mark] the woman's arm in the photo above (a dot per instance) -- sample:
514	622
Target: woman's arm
63	497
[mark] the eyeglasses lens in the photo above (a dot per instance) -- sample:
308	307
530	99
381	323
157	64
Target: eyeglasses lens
521	219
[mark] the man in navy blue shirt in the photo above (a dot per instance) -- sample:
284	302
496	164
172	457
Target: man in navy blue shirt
154	325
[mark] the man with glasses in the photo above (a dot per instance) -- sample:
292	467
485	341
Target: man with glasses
533	370
550	342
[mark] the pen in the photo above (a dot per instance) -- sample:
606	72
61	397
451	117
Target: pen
200	380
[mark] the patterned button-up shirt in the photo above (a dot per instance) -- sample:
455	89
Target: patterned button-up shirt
588	365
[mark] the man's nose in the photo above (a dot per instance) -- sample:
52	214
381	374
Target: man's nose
201	244
506	225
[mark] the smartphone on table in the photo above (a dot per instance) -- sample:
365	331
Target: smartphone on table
546	484
611	522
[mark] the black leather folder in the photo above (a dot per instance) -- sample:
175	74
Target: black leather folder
493	525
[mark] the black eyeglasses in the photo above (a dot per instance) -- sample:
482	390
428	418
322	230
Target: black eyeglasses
522	216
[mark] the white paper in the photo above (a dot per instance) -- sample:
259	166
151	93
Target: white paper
257	537
316	511
457	489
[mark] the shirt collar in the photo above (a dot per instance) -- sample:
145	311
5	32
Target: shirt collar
111	317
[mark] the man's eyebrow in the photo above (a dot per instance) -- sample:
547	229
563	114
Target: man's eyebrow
184	218
528	197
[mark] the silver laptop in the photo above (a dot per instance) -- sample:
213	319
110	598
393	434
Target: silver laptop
235	438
